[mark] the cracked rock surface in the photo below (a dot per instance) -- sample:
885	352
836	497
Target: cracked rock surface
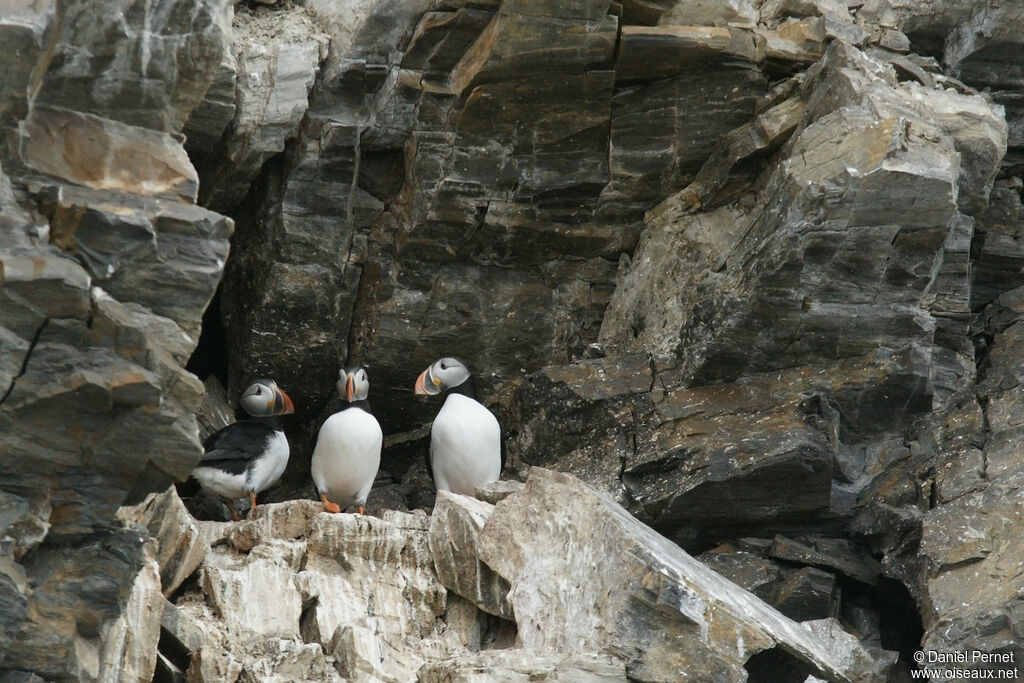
750	271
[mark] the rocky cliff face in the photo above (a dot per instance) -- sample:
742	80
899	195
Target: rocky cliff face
750	270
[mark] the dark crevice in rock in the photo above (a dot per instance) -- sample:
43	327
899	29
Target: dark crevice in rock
174	651
900	628
28	355
210	357
308	627
775	665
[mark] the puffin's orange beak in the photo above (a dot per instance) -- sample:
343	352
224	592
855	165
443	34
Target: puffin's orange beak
350	388
287	408
420	383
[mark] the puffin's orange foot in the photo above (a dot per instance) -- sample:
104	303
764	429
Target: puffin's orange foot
328	505
234	513
360	509
252	505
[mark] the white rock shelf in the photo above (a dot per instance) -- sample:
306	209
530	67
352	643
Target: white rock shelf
554	583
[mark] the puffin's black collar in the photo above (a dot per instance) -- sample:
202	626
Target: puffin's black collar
362	404
466	389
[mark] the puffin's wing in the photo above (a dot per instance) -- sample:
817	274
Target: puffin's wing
243	440
231	462
427	461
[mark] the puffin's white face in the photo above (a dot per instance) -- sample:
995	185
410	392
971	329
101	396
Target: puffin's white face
443	374
353	384
264	398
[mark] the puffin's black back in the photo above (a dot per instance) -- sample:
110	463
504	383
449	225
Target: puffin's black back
232	448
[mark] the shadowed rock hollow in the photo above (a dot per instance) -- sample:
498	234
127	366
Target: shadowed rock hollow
749	271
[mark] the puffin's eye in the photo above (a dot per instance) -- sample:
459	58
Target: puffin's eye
443	366
259	391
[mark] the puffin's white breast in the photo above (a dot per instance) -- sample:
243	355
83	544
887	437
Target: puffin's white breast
265	470
346	456
465	446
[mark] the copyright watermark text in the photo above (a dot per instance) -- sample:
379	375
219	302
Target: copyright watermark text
969	665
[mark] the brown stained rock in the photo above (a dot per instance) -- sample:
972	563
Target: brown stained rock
769	130
96	411
441	38
70	382
519	43
663	130
165	256
105	154
96	408
660	610
455	526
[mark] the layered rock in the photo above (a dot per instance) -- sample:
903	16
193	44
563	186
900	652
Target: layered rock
763	227
630	592
462	159
963	513
106	267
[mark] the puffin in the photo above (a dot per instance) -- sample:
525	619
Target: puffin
249	456
347	452
465	438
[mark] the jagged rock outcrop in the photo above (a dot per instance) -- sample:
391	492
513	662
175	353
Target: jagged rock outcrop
750	269
354	598
833	345
379	599
948	516
106	267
